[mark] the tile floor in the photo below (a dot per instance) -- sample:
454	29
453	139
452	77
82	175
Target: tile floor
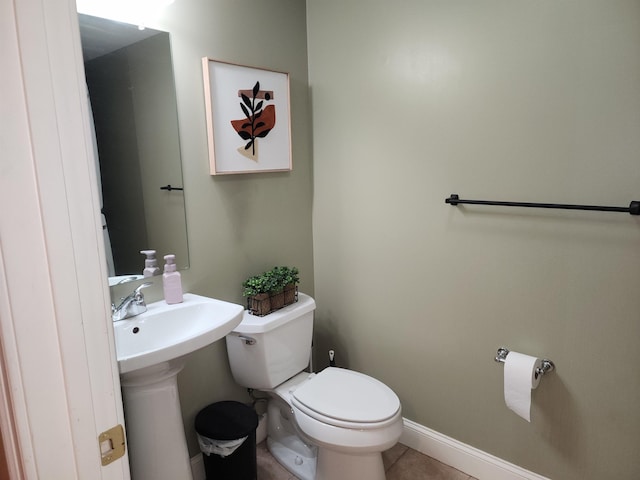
400	463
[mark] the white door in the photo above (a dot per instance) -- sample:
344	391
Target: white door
59	383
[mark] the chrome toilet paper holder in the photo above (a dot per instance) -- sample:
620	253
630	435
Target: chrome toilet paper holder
547	366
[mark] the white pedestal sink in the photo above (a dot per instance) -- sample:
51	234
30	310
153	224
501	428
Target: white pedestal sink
150	349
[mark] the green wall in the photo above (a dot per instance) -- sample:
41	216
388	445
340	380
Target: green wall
529	101
237	225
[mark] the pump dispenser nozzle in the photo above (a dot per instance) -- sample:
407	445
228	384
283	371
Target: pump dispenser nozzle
170	263
150	264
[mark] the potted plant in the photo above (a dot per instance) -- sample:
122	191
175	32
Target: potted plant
289	279
276	288
256	289
271	290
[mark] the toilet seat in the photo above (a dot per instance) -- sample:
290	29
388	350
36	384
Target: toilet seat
347	399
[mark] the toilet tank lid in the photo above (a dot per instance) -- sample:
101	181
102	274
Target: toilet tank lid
256	324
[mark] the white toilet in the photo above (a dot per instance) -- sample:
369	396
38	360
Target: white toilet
332	425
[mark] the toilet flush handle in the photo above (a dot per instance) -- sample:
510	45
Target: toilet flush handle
247	340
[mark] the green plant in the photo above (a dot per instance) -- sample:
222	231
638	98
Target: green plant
272	281
256	285
283	276
288	276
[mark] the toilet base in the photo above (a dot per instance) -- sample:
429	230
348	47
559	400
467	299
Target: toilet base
290	456
286	446
334	465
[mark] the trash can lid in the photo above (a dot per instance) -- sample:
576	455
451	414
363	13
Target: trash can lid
226	420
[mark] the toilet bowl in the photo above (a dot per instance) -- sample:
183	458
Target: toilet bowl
332	425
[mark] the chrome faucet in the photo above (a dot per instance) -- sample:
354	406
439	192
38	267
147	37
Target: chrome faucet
131	305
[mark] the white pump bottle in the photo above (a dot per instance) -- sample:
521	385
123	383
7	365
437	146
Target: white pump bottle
171	281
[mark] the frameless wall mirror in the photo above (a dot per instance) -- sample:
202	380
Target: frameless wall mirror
133	101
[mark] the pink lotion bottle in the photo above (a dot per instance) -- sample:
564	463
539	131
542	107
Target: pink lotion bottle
171	281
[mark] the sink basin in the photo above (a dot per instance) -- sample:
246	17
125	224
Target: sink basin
150	348
166	332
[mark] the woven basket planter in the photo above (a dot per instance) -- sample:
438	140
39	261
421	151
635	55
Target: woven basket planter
259	304
290	294
264	303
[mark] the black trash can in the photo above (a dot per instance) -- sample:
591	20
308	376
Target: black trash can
219	425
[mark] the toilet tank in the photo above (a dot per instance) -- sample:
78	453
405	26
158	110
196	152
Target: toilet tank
266	351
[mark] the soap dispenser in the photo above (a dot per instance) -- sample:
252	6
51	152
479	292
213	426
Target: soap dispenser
171	281
150	264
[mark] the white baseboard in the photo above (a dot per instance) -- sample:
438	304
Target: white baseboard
465	458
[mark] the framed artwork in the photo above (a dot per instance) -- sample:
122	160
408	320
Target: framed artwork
248	118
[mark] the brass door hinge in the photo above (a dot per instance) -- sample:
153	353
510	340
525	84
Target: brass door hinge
111	444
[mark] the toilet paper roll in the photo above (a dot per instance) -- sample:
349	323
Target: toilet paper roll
519	379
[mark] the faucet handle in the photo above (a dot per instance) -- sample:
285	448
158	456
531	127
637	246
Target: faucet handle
130	306
137	293
142	285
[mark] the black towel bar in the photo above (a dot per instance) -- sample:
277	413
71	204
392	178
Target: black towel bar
170	188
633	208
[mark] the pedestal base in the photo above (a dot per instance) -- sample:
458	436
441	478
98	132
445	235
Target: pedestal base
155	432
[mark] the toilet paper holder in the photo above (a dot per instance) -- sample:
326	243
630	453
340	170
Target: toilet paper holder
547	366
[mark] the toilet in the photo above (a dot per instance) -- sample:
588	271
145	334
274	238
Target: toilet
331	425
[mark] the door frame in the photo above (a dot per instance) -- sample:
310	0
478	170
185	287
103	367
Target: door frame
59	381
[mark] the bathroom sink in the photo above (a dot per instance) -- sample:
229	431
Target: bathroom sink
166	332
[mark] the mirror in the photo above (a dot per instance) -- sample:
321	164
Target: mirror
132	94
